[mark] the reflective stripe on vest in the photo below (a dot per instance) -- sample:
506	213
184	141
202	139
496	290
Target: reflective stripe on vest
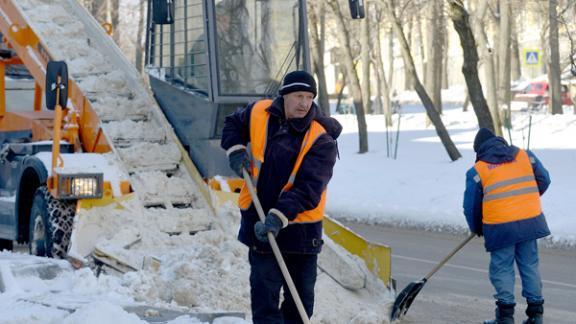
258	138
510	190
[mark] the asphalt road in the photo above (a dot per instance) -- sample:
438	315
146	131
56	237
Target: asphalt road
460	292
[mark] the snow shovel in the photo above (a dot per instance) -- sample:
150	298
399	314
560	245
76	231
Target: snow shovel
276	250
406	297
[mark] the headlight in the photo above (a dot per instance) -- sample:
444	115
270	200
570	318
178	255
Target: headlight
80	186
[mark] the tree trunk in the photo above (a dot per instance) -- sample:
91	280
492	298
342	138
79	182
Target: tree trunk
140	36
487	56
383	89
504	53
317	39
391	57
431	111
445	58
352	76
341	91
434	54
114	12
98	10
555	106
466	102
408	84
365	56
516	72
459	17
421	45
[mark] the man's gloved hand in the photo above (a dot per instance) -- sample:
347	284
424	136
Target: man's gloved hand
272	224
239	160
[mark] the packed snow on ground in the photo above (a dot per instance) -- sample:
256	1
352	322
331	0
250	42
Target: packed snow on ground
423	188
205	272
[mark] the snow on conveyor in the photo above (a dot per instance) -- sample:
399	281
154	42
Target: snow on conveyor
187	257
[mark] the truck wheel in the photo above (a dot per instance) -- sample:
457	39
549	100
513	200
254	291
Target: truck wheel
50	224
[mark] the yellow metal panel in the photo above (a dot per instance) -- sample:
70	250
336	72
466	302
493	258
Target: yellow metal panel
196	176
376	256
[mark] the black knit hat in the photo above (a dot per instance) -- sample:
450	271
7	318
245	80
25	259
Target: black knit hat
482	136
298	81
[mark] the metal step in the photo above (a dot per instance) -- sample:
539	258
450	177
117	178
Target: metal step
126	133
144	156
157	188
119	108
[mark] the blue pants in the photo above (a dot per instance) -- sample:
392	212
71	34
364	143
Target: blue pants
502	272
266	280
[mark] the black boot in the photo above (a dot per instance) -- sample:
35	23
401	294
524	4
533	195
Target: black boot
535	312
504	314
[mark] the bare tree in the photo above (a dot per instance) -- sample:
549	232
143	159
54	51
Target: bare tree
366	62
352	76
431	111
383	89
113	16
390	33
407	77
504	53
487	57
460	19
555	106
515	54
317	33
105	11
139	52
433	75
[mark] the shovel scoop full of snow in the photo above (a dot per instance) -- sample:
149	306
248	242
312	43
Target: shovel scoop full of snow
405	299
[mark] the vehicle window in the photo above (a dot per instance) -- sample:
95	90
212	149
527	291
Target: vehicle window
256	44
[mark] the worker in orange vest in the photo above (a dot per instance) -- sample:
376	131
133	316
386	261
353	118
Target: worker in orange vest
289	149
502	203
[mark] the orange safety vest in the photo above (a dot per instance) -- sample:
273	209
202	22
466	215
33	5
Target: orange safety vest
258	137
510	190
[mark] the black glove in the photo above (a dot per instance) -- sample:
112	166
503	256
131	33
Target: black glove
239	160
272	224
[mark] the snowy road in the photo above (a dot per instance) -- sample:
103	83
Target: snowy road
460	292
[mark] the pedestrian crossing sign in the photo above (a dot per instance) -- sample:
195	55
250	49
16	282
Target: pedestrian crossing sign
532	57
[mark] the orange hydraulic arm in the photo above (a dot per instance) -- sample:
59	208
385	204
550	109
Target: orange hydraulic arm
85	128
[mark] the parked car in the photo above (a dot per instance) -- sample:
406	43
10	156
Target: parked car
535	94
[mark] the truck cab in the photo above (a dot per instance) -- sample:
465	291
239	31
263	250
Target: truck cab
215	56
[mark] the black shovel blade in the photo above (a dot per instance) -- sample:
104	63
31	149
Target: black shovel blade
405	299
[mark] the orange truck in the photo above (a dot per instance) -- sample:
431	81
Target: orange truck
103	136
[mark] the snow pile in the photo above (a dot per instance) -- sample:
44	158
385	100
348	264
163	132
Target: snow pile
209	272
102	312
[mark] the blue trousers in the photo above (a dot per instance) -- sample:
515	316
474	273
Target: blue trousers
266	280
502	272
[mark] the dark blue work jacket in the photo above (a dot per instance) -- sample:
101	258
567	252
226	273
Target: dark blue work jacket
283	145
